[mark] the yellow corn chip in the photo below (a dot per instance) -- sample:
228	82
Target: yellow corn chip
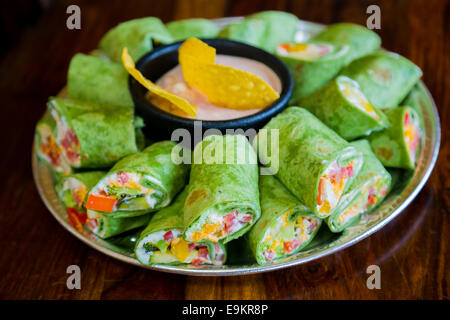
197	49
223	85
179	102
191	52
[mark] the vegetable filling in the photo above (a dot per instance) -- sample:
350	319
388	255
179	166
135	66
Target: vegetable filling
74	193
412	134
331	186
371	194
218	226
350	90
68	141
94	221
169	246
287	234
51	150
304	51
123	191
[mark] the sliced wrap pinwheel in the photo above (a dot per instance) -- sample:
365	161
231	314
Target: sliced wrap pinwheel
162	242
140	183
223	199
286	226
312	161
370	187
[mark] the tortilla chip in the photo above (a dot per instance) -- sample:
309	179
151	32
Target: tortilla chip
223	85
177	101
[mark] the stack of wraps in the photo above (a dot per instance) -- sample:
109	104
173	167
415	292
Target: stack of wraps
162	242
223	198
320	59
286	226
398	145
93	135
385	78
314	162
140	183
368	190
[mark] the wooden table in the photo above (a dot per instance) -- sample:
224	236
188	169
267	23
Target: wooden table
35	250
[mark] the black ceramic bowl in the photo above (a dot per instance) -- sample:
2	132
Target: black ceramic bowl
161	124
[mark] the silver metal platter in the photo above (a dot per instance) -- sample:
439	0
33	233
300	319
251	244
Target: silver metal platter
407	184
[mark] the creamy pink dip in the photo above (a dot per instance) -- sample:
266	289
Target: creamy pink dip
173	81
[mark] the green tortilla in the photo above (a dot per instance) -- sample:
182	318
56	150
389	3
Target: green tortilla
105	133
384	77
157	171
198	28
278	203
94	79
137	35
361	40
251	31
224	179
304	149
311	74
390	146
170	219
331	105
106	227
281	27
367	191
418	100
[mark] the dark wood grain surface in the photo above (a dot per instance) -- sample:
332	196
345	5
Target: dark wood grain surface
412	251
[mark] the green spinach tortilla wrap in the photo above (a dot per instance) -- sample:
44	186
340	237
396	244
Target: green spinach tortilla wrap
398	145
286	226
251	31
48	148
162	242
281	27
94	79
72	191
312	64
223	197
385	78
139	183
93	135
188	28
105	227
313	161
361	40
368	190
137	35
342	106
